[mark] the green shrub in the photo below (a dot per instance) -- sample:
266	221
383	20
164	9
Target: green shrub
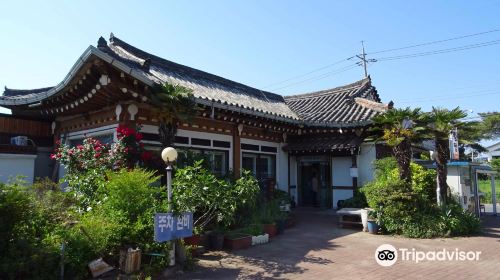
410	209
28	248
212	200
358	200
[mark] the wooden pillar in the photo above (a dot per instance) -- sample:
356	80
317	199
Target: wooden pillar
236	153
354	165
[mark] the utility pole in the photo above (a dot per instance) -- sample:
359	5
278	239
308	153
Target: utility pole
364	61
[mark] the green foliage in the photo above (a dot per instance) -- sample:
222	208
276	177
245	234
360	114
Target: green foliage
253	229
490	125
211	199
358	200
28	247
409	208
174	101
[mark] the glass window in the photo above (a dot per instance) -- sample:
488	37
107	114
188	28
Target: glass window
104	139
214	160
262	166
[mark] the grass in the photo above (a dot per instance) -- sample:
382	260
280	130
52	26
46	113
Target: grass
485	187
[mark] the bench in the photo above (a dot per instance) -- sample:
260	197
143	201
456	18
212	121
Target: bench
341	213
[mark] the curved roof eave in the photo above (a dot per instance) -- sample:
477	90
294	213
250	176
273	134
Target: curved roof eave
91	50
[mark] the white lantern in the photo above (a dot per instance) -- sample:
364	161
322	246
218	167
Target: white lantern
169	154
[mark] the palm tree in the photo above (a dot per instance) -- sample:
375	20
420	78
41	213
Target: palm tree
441	122
172	103
399	128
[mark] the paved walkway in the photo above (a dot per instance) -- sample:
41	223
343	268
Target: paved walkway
317	249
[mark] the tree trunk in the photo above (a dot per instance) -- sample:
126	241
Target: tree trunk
402	153
167	131
443	153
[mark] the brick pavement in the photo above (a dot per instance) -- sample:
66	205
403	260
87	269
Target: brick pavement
317	249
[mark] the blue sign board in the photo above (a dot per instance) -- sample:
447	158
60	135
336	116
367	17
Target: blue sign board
169	227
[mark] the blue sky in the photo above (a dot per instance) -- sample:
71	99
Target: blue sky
260	43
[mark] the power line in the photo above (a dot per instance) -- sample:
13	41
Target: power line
319	77
461	48
446	95
447	98
435	42
308	73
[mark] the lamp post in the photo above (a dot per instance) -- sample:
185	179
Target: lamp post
169	155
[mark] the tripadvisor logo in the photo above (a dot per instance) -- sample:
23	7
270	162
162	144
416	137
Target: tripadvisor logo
387	255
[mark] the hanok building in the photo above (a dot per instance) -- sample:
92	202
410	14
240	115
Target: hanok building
301	142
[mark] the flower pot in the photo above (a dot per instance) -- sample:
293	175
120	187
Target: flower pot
290	222
260	239
364	219
373	227
270	229
216	241
280	226
194	240
237	242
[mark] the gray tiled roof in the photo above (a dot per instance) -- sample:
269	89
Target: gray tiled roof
205	86
350	104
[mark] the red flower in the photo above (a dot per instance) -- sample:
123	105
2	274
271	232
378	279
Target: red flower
79	147
138	137
52	156
146	156
97	155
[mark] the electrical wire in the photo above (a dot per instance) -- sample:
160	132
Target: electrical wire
447	98
455	49
435	42
319	77
308	73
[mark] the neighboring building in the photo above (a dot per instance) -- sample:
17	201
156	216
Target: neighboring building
29	160
493	151
282	140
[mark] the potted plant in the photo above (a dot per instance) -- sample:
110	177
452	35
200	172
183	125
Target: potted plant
195	239
373	221
216	238
290	220
237	240
257	233
281	222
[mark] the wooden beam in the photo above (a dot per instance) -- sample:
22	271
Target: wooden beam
236	153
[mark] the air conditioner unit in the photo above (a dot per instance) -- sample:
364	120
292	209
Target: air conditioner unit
19	141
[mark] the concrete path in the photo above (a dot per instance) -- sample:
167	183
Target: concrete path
317	249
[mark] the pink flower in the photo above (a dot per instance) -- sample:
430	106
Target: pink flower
52	156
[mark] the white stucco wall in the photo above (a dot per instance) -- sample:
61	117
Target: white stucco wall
365	159
341	175
12	165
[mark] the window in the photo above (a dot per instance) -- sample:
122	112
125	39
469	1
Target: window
104	139
214	160
262	166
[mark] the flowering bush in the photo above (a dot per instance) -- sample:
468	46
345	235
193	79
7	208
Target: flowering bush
86	164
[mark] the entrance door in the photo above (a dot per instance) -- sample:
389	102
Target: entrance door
314	182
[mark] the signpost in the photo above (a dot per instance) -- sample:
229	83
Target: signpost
453	140
169	227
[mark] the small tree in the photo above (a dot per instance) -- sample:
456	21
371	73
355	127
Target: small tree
441	122
172	103
399	128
